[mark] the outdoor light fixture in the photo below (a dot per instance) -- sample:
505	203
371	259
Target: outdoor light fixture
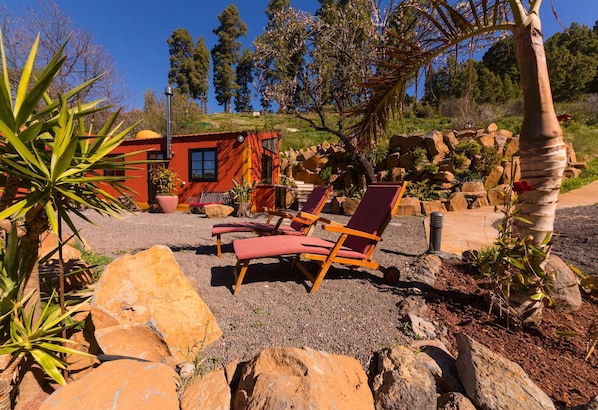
240	138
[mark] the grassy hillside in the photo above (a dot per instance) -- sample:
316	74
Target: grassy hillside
298	134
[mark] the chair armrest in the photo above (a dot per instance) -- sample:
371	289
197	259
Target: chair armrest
343	229
329	222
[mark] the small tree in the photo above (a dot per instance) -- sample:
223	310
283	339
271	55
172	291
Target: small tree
435	27
225	55
315	65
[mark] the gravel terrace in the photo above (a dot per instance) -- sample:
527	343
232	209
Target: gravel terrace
353	313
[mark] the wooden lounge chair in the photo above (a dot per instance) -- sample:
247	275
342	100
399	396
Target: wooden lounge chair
301	223
354	247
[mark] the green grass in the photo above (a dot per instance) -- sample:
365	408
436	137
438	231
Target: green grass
96	261
584	139
587	175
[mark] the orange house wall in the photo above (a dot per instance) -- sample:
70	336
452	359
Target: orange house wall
230	161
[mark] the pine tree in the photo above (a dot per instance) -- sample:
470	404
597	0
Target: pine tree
225	54
244	80
201	58
571	59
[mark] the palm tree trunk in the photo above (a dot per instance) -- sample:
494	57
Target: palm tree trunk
542	150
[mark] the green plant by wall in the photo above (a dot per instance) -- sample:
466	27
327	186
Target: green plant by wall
424	191
326	173
466	175
241	191
351	192
485	162
420	159
287	181
165	180
468	148
460	161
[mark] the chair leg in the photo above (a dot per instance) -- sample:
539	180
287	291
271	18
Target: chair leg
218	246
240	274
320	277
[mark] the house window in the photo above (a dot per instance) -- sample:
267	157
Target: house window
266	169
203	164
115	172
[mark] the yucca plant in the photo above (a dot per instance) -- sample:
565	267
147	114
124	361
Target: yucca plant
47	153
50	166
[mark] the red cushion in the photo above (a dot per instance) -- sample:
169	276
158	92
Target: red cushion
272	246
219	229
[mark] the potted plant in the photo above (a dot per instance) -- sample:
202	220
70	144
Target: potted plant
166	182
241	196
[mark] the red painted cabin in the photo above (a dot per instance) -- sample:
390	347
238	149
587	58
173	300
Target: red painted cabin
208	162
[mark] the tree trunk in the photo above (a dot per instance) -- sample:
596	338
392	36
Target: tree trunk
10	191
542	150
37	223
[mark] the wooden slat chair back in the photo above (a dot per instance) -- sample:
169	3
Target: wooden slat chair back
301	223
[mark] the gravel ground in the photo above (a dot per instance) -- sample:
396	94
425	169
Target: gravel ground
353	313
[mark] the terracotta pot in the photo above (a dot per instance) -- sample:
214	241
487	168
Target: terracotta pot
167	203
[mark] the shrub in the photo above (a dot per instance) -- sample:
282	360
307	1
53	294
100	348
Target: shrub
512	263
486	160
469	149
423	190
466	175
459	160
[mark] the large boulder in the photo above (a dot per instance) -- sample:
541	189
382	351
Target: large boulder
149	289
401	381
214	211
436	147
457	202
494	382
564	288
409	206
120	385
207	392
285	378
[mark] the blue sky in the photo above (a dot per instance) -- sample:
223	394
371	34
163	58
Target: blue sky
135	31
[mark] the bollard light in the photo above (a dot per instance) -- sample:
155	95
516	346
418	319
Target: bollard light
435	232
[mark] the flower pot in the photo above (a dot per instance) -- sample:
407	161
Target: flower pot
167	203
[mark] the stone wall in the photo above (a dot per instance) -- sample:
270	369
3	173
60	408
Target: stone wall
461	181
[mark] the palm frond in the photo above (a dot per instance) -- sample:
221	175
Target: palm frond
420	32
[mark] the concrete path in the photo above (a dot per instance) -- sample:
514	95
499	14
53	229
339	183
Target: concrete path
472	229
